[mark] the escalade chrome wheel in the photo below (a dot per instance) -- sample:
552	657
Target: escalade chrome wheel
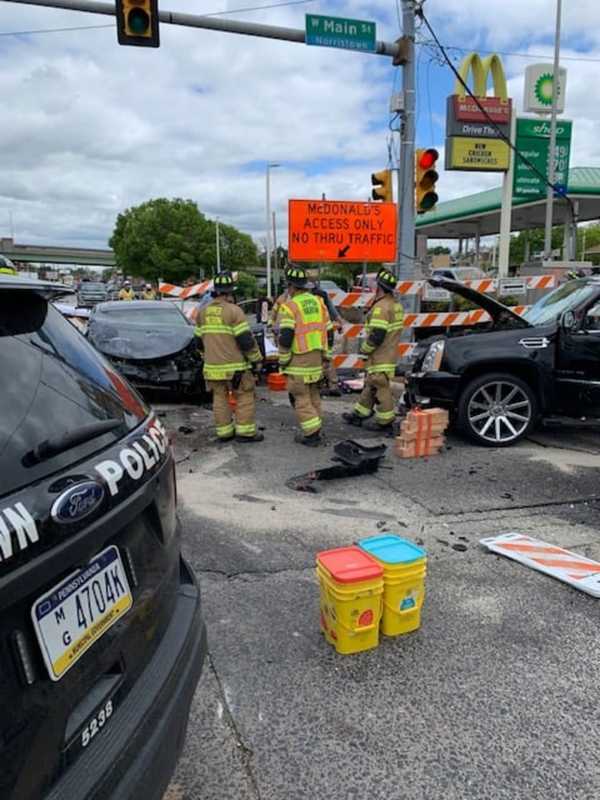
497	410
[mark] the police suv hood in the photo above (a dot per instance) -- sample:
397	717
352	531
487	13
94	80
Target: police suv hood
138	341
499	313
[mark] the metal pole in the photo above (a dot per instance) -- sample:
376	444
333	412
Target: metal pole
552	147
406	183
268	230
390	49
506	210
218	248
275	254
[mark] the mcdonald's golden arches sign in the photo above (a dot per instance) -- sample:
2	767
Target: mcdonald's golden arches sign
474	140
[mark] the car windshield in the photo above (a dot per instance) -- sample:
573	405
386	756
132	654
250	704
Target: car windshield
551	306
468	274
140	315
94	287
55	383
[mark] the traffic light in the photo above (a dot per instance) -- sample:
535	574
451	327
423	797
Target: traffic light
137	22
382	181
426	177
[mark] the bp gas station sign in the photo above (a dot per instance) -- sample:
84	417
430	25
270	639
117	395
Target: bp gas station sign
533	142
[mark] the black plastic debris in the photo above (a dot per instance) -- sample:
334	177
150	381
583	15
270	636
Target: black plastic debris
352	459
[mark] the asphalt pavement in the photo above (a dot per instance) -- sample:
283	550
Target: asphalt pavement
494	697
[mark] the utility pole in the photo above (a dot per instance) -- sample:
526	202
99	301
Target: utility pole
276	280
552	147
218	247
406	174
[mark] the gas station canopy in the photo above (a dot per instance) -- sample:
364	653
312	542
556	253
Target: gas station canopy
479	213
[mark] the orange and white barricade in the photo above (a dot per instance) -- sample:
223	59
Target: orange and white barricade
441	319
357	361
183	292
403	288
576	570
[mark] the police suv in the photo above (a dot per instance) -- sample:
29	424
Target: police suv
101	633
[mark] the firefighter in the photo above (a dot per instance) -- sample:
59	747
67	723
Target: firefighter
330	381
383	329
148	293
231	357
126	292
305	341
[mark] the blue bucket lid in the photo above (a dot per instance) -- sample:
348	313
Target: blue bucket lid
392	549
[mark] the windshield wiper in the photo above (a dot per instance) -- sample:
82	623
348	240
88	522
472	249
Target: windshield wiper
58	444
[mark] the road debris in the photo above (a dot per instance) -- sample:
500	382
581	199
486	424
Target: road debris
352	459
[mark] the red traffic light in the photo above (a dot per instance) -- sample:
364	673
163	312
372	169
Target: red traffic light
428	158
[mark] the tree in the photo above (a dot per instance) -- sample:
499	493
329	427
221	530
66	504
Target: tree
438	250
172	239
535	237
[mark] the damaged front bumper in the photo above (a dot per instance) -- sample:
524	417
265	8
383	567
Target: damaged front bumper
158	376
440	389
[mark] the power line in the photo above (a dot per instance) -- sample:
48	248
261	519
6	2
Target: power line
211	14
490	121
532	56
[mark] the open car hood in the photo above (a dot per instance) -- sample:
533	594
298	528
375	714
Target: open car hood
139	342
500	314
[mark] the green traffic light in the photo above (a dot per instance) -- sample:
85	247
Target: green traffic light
138	21
429	200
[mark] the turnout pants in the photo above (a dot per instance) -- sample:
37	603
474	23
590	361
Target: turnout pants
245	410
307	404
377	392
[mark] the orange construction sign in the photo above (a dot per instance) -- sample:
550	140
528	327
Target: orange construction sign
341	230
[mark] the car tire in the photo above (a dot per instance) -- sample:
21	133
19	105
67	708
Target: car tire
497	409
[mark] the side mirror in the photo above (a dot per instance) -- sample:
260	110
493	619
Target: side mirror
568	322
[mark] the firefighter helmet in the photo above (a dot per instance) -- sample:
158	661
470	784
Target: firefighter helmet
386	280
224	282
296	276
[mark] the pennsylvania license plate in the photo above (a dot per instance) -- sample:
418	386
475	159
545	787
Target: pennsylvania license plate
73	615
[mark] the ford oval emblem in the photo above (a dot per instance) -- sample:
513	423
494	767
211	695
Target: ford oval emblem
77	502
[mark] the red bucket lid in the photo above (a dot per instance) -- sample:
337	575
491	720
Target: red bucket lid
349	564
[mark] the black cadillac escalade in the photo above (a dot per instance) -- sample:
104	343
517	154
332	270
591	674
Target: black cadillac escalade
101	633
500	378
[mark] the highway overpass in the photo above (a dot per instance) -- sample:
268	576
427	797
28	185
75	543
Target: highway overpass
45	254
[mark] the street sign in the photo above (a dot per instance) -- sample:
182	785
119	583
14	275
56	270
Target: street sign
533	142
512	286
341	230
482	155
538	93
349	34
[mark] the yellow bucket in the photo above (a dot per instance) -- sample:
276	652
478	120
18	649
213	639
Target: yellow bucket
404	569
351	591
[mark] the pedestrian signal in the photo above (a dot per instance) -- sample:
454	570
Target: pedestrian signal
426	177
382	181
137	23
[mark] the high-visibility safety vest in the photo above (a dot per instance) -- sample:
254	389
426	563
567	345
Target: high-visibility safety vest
307	316
7	271
126	294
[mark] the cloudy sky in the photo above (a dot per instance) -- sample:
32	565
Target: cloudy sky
91	128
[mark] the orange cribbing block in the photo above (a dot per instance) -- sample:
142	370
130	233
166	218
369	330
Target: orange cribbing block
418	448
277	382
